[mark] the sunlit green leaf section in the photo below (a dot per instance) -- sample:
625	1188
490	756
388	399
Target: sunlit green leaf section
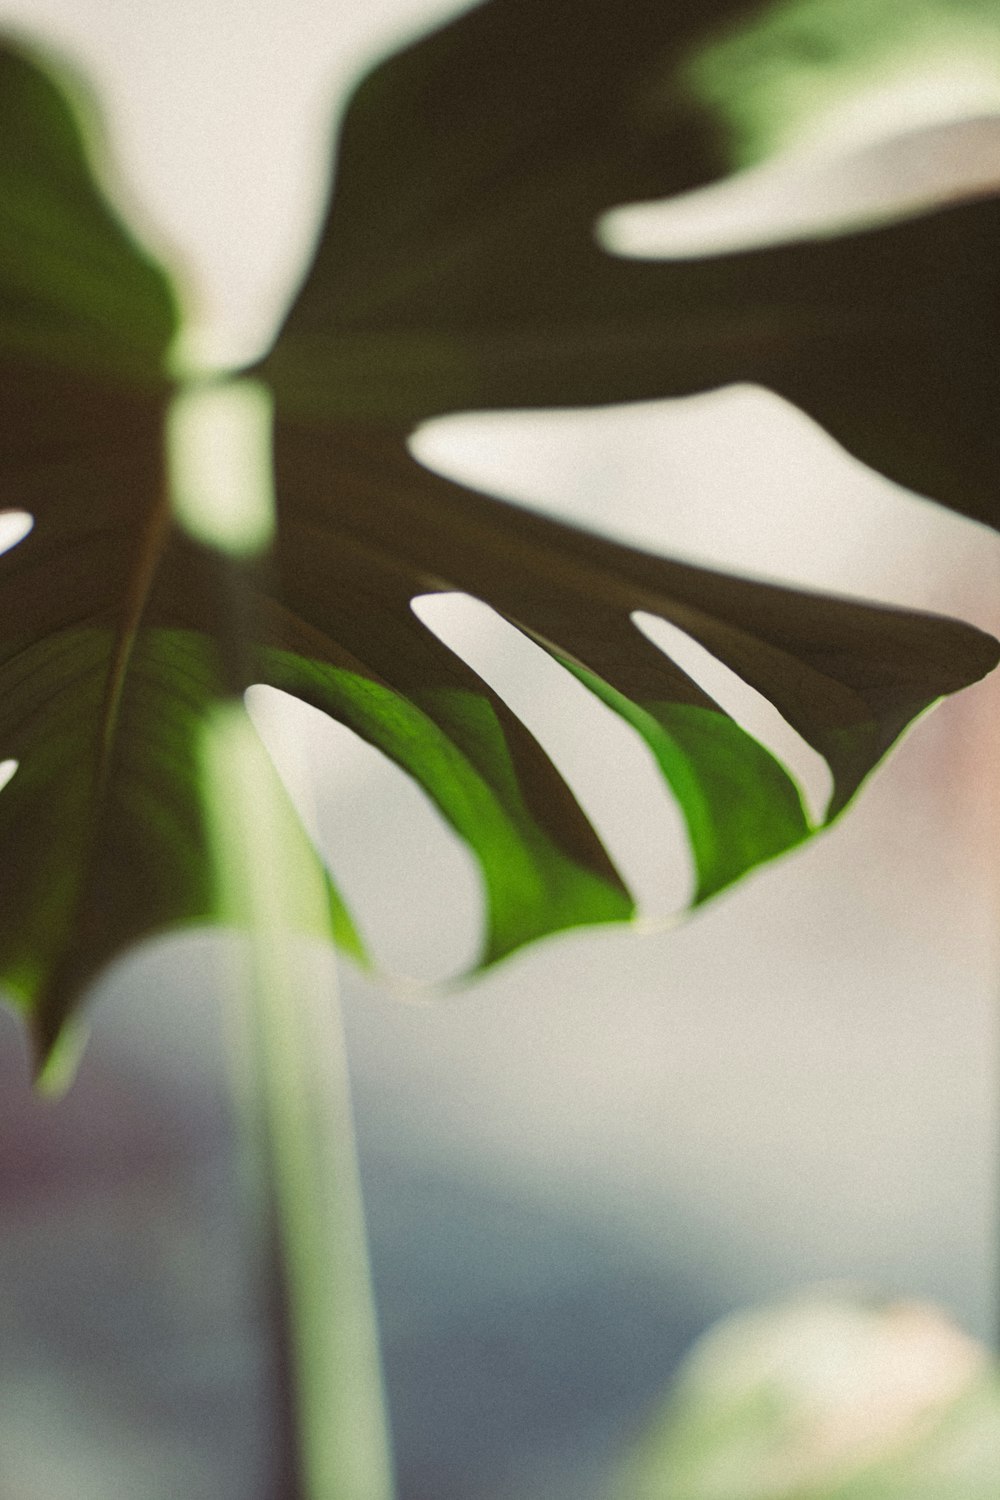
740	805
462	759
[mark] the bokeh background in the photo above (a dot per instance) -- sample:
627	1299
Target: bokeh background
574	1165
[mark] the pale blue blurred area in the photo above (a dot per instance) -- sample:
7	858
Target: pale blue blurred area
521	1331
573	1166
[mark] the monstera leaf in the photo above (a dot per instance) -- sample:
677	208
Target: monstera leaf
457	269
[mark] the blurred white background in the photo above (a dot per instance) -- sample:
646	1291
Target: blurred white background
574	1163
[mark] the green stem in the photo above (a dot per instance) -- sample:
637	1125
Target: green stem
288	1047
287	1037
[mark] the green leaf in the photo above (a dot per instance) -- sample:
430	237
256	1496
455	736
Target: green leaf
772	74
112	628
76	291
363	529
827	1397
458	267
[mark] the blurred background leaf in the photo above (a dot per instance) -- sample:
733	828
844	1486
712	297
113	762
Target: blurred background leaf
829	1397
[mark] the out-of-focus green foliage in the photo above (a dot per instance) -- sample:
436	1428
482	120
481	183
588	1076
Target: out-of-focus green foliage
458	268
826	1398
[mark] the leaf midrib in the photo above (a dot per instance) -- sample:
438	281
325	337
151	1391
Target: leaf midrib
140	584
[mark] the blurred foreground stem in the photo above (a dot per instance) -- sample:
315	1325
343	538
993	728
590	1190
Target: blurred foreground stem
292	1088
287	1044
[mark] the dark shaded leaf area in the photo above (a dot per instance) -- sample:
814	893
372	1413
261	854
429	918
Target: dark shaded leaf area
457	269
